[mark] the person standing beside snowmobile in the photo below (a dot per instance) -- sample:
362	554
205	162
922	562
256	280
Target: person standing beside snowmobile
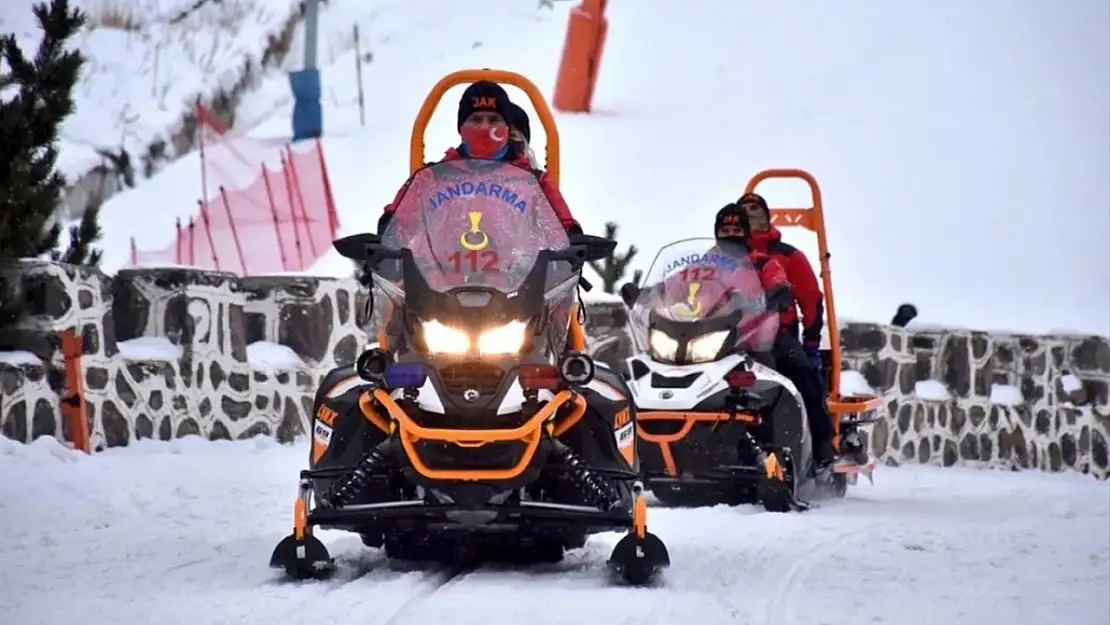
484	111
798	360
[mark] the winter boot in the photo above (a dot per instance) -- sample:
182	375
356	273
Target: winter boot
823	456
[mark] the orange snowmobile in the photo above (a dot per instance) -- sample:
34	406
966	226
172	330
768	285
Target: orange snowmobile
482	429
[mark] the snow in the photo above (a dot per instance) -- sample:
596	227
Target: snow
18	358
931	390
149	348
1071	383
272	357
914	159
1006	395
179	532
600	297
853	384
147	65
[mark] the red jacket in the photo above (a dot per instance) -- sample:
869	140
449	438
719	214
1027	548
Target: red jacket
807	292
554	196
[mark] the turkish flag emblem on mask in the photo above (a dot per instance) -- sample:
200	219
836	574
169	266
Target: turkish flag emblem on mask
485	141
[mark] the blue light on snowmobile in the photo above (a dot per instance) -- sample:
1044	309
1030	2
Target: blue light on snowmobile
406	375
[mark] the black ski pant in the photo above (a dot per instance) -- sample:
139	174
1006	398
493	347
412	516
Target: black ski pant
791	361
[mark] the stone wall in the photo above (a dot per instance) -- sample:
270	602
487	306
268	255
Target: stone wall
166	352
998	400
175	351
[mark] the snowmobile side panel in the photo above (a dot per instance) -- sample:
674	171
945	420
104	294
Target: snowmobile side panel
610	424
694	444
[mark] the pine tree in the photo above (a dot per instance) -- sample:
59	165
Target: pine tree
36	96
615	266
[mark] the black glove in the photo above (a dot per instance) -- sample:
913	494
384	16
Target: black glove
383	221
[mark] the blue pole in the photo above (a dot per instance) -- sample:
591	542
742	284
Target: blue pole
308	115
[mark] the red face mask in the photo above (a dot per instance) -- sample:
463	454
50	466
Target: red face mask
485	141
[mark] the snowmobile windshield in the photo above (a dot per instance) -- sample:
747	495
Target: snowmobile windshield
475	223
700	299
483	254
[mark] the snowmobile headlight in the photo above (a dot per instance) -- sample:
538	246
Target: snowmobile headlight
705	347
663	347
443	339
505	339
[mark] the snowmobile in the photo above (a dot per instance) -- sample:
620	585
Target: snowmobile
701	443
717	423
478	427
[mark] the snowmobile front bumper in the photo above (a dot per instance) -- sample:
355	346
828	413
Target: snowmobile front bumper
637	557
447	518
710	457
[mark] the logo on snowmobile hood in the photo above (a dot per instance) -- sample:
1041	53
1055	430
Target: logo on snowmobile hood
474	239
468	189
716	259
691	307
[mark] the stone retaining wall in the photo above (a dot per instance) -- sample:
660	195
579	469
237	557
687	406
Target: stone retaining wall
176	351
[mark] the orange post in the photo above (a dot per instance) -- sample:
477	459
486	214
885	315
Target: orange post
812	218
464	76
578	69
73	401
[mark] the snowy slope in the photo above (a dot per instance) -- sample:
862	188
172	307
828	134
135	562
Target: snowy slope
955	141
181	532
148	60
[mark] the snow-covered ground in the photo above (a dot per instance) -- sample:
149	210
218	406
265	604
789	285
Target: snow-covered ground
181	532
148	61
954	140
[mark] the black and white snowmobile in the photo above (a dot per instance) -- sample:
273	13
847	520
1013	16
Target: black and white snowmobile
717	423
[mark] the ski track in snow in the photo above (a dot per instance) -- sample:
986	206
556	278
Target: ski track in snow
181	532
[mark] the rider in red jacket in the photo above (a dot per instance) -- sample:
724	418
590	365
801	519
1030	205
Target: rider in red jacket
731	225
767	239
483	128
792	357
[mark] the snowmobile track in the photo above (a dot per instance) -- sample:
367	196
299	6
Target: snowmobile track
431	584
779	607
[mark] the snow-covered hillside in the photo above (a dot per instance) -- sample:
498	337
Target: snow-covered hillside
148	61
963	147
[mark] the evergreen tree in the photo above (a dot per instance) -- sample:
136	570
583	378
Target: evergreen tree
36	96
616	265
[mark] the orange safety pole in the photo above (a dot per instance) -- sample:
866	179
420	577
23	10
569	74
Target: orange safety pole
431	101
582	49
74	410
812	218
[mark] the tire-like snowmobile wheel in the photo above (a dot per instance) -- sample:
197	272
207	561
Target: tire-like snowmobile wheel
775	495
303	558
637	560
